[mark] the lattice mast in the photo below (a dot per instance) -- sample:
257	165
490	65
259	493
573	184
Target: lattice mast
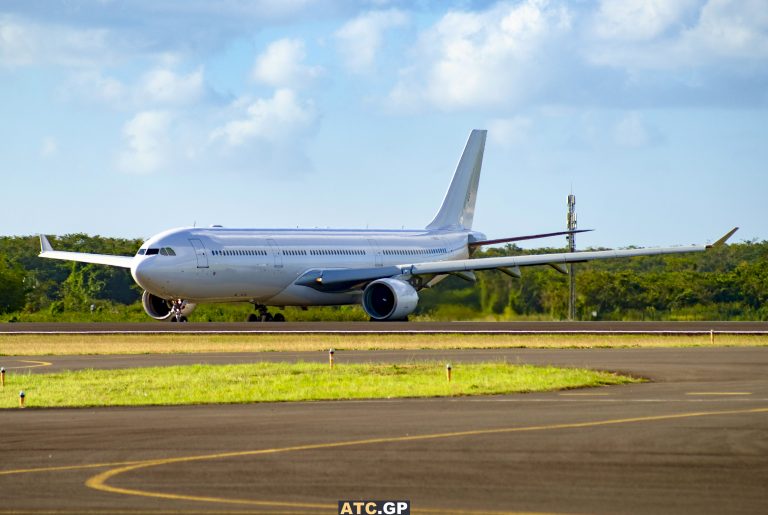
571	224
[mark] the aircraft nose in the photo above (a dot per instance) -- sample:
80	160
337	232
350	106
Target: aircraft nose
143	274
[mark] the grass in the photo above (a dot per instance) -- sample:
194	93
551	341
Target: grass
275	382
42	345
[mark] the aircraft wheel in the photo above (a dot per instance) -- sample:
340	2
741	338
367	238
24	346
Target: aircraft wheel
266	317
182	318
253	317
279	317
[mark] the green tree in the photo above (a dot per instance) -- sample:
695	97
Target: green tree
12	287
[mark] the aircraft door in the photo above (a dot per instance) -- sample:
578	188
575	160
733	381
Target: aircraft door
200	253
276	253
376	252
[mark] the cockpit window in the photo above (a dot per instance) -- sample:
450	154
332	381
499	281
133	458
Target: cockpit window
152	252
141	252
167	251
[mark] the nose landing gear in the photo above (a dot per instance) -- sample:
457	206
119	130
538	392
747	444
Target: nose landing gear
264	315
177	310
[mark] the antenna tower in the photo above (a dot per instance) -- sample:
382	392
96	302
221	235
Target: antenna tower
571	248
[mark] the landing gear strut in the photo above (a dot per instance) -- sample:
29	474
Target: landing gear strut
177	309
264	315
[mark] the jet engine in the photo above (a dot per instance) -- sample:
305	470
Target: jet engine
160	309
389	299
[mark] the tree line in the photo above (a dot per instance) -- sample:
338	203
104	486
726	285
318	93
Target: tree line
728	283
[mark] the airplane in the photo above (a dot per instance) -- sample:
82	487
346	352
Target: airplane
383	270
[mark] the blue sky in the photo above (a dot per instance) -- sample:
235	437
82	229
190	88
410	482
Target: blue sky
125	118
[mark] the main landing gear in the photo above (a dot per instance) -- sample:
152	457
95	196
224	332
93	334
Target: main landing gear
177	311
264	315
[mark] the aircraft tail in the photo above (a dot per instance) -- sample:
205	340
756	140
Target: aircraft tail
458	207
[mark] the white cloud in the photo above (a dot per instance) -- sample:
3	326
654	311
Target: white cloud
679	35
93	85
275	120
509	132
481	59
147	141
163	86
282	65
159	87
49	147
731	28
633	132
85	32
639	19
24	43
360	39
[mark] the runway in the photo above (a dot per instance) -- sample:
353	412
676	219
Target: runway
681	328
693	441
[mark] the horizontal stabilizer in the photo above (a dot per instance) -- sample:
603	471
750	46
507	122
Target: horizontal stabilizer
473	244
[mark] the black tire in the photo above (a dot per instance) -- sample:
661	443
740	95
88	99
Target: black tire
279	317
266	317
253	317
173	318
182	318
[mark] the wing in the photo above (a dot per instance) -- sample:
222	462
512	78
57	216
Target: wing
335	280
46	251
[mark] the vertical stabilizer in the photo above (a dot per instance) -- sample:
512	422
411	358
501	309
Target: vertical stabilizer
458	207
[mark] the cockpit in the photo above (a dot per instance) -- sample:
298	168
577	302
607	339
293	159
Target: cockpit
164	251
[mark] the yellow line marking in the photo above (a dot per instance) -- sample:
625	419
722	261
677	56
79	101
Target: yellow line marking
69	467
36	365
98	482
719	393
148	512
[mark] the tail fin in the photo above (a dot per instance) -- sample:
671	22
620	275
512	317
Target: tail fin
458	207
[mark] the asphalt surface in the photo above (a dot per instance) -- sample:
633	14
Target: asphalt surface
389	327
693	441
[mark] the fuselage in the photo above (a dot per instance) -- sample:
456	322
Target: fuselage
220	264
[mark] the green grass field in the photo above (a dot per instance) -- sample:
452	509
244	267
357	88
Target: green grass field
50	345
277	382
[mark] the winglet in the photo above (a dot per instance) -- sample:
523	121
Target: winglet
721	241
45	245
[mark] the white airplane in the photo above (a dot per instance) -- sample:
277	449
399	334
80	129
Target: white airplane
381	269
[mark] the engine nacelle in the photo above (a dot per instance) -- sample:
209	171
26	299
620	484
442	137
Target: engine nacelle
389	299
160	309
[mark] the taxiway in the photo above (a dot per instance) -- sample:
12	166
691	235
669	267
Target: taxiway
693	441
